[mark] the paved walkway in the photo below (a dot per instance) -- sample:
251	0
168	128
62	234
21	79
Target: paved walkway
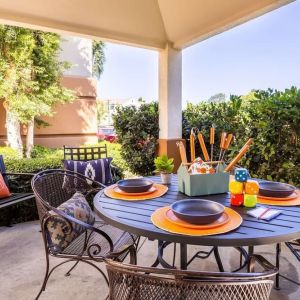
22	268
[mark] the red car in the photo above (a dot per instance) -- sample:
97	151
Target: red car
107	134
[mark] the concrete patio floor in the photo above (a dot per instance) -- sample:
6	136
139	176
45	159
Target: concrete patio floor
22	268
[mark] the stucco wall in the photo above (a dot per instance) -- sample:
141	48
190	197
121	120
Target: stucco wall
72	118
72	124
77	51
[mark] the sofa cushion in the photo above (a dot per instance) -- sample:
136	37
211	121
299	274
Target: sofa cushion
60	233
98	169
4	191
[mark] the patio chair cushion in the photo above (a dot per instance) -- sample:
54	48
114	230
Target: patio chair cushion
4	191
98	169
60	233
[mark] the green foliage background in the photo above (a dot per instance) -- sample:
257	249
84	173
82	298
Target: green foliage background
42	158
30	72
98	58
271	117
137	130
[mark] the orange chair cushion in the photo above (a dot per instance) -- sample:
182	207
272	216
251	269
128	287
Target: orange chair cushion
4	191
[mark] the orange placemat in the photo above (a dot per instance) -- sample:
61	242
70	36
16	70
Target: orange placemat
160	220
270	201
160	191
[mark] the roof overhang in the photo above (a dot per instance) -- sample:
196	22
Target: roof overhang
143	23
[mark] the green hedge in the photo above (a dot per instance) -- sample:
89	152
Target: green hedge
42	158
32	165
271	117
137	130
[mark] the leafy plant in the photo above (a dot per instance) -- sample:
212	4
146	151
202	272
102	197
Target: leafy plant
275	126
98	58
137	129
163	164
271	118
30	75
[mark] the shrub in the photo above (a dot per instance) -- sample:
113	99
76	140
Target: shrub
275	125
228	116
31	165
43	158
25	211
9	152
42	151
137	130
272	118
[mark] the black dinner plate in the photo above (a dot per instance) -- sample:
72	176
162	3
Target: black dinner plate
136	185
275	189
197	211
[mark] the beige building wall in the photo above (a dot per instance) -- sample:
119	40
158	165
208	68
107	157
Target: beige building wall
75	123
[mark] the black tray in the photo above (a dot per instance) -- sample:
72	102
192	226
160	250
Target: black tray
275	189
197	211
136	185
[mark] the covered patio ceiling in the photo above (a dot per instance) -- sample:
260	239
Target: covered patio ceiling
164	25
145	23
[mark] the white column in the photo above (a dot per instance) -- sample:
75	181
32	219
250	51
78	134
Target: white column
170	93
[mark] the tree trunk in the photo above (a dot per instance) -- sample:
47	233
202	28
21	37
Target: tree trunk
29	138
13	132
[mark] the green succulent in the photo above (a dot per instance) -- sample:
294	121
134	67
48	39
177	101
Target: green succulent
163	164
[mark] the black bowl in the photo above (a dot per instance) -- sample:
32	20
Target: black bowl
197	211
275	189
136	185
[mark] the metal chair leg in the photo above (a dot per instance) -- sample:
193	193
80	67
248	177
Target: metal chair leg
278	250
69	272
45	278
48	274
174	255
132	255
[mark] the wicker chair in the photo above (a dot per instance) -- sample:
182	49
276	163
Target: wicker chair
53	187
128	282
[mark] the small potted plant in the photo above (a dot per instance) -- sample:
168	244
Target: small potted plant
164	166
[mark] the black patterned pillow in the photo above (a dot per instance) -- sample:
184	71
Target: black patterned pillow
98	169
60	234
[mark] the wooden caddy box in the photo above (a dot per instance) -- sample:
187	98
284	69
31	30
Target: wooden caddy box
202	184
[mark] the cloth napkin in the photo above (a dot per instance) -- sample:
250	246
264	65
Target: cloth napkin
264	213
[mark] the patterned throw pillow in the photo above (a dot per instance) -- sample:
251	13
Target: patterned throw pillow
4	191
60	235
98	170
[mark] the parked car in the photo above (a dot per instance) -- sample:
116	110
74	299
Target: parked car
107	134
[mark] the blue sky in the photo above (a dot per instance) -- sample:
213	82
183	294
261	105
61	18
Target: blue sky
262	53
